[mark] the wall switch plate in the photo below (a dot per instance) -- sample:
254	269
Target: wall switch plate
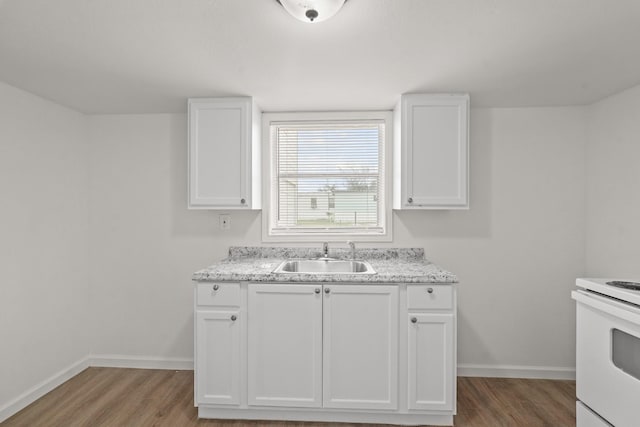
225	222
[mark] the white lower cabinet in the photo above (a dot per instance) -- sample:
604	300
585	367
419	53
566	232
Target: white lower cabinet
431	377
218	357
360	357
326	352
285	345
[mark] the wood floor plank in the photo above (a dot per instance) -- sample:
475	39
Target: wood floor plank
113	397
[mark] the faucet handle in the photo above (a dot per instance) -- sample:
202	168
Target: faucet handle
352	245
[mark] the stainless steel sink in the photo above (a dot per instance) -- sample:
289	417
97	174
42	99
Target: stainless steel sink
324	266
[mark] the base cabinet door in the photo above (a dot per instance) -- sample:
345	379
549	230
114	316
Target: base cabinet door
285	345
431	374
360	369
218	357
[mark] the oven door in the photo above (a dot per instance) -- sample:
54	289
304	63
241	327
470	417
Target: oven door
608	357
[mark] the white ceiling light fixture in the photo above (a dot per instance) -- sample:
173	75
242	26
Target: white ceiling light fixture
312	11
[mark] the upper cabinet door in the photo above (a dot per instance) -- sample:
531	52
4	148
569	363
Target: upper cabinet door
431	152
224	157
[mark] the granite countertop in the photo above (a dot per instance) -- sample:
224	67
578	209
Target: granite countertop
255	264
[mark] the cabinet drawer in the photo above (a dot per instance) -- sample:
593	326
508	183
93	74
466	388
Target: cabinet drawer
219	294
430	297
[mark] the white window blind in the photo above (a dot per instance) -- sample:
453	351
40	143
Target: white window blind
328	177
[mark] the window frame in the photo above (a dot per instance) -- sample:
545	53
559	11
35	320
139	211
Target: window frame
269	199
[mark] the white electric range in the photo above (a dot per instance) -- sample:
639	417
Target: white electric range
607	352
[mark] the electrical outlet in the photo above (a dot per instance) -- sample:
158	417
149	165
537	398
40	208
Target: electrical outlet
225	222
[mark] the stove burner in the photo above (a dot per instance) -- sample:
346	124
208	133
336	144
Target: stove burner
627	285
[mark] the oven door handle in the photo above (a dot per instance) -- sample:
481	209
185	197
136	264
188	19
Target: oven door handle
609	306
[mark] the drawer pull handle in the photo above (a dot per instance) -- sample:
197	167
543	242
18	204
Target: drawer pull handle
327	290
430	290
216	287
414	319
233	318
243	201
410	200
317	290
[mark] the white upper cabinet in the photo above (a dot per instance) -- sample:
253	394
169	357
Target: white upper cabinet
431	147
224	153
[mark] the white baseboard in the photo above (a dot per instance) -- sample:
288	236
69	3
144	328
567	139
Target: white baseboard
515	371
140	362
39	390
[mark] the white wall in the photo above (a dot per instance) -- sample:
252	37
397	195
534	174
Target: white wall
613	186
145	244
519	248
517	251
43	241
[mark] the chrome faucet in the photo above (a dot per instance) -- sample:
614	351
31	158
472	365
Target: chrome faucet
352	245
325	249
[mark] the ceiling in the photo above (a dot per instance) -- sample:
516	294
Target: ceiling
149	56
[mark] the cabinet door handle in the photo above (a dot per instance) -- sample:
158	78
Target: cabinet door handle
243	201
317	290
327	290
414	319
234	318
410	200
430	290
216	287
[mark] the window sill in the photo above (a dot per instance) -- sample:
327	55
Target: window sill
320	236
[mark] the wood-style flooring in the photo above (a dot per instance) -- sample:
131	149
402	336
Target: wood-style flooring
141	397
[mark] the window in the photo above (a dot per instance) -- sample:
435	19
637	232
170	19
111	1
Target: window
331	201
327	176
